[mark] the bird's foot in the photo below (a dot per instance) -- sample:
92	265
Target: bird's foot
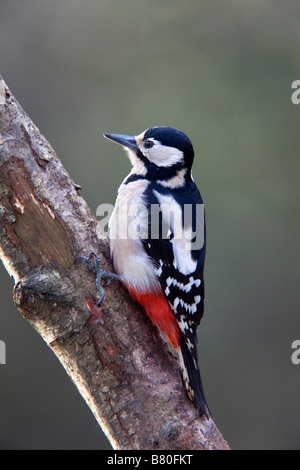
93	261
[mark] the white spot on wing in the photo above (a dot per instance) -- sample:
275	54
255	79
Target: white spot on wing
184	287
158	271
189	308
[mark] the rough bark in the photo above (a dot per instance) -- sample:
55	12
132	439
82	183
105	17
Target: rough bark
116	358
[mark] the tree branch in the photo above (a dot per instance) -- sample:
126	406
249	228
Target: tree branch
113	354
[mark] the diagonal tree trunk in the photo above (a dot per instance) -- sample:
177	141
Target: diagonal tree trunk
116	358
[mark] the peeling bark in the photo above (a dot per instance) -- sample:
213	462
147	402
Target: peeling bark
116	358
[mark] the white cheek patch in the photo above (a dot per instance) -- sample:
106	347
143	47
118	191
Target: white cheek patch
162	155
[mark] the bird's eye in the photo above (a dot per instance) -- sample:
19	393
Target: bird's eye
148	144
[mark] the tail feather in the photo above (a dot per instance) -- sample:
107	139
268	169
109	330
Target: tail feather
192	378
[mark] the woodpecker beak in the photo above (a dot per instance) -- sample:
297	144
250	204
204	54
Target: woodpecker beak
124	140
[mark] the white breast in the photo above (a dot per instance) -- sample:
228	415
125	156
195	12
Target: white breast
128	225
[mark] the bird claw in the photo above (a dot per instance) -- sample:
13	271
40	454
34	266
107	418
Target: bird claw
93	262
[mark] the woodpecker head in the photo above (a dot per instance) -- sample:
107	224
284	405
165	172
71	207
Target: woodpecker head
160	153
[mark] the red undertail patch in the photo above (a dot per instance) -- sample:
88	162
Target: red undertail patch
160	313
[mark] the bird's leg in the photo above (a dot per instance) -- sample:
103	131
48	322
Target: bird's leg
93	262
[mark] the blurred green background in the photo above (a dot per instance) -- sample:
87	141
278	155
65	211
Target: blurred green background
222	73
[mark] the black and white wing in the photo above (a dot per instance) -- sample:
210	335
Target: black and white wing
179	252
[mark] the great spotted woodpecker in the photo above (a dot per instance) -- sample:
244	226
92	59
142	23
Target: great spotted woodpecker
157	239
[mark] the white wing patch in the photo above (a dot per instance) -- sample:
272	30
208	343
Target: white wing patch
182	236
